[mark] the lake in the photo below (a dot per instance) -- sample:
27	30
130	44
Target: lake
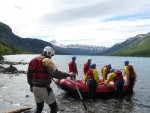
15	94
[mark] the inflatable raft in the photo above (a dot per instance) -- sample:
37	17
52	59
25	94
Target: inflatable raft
69	86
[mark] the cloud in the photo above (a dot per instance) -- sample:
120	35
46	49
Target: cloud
100	10
97	22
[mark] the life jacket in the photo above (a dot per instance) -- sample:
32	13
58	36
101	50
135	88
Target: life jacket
73	67
131	70
86	67
108	70
38	71
118	75
90	73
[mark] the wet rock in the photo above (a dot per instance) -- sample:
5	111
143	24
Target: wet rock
1	69
12	63
11	69
27	95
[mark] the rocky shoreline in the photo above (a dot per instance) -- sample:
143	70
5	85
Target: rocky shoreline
11	69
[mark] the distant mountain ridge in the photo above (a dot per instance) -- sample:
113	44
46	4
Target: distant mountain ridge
36	45
134	46
78	49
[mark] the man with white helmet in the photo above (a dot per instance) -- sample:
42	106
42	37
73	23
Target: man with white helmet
40	72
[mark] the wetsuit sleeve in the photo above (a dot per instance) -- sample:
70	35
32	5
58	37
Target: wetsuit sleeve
85	78
46	62
112	75
52	70
127	72
104	72
95	73
55	73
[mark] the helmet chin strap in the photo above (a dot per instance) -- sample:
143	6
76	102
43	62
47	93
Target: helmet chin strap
48	55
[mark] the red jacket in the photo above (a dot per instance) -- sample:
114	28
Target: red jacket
86	67
73	67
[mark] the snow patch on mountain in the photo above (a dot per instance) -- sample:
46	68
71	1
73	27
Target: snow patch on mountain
78	49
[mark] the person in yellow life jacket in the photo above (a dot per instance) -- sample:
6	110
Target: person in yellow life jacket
92	80
73	67
116	76
105	71
87	66
130	75
41	70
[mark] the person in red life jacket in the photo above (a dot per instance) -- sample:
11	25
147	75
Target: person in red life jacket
92	80
87	66
116	76
73	67
105	71
41	70
130	75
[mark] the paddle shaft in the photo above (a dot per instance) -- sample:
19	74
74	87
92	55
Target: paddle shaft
55	82
79	94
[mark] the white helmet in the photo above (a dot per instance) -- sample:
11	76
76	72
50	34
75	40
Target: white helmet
89	58
49	51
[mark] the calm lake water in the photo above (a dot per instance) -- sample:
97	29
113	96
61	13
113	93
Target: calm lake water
15	94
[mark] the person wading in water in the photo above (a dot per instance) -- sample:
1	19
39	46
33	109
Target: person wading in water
41	70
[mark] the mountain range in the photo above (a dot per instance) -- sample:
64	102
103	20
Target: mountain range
78	49
134	46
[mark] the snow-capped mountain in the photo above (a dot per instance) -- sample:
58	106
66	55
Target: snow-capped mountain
77	49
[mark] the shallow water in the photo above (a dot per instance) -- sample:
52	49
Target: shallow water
15	94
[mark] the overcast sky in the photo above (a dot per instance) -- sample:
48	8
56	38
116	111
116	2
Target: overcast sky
92	22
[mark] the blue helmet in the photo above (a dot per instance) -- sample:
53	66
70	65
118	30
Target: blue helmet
109	65
112	70
73	57
126	62
93	65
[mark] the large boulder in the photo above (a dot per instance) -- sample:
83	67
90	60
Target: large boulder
11	69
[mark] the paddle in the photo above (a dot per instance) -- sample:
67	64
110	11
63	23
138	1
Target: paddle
80	94
55	82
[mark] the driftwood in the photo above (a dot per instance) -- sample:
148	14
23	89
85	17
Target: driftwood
20	110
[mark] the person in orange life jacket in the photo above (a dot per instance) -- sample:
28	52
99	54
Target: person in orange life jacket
73	67
40	72
130	75
105	71
87	66
92	80
116	76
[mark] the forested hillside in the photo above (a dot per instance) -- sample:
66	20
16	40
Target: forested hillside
135	46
